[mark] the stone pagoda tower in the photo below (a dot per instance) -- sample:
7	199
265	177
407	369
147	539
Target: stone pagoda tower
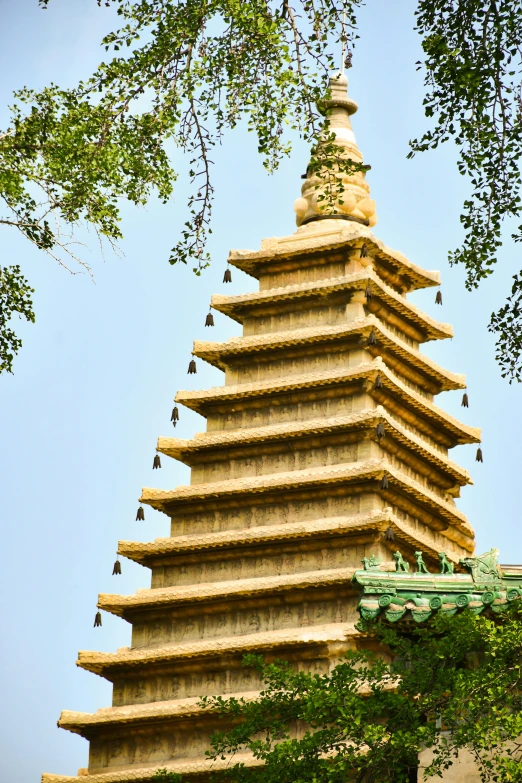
324	446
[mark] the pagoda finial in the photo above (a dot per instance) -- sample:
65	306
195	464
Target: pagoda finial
328	191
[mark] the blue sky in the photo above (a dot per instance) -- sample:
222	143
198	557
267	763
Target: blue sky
94	383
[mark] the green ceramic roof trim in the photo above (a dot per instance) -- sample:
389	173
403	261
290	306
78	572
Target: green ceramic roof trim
394	593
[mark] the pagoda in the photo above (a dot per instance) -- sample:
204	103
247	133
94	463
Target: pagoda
324	448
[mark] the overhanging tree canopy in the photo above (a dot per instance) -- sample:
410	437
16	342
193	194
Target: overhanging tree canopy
452	685
187	71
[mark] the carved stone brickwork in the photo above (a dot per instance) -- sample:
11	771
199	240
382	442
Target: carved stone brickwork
153	687
323	447
278	559
324	268
218	677
274	511
289	457
234	620
292	321
147	747
337	403
287	364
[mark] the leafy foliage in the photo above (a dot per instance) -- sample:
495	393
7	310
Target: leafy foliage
205	65
473	69
453	684
15	297
182	73
164	776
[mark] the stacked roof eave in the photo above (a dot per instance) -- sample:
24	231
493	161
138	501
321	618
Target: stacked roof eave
437	378
338	238
244	305
147	553
454	431
192	451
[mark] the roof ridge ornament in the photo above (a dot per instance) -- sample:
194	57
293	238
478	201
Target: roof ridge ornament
483	567
334	184
486	586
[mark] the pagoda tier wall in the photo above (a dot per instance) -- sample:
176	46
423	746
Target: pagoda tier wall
225	675
157	744
287	363
310	270
333	449
246	616
298	407
292	318
279	459
280	510
288	318
282	558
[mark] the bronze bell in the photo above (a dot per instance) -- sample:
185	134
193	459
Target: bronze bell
116	570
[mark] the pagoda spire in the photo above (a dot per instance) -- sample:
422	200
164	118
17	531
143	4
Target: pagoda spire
328	191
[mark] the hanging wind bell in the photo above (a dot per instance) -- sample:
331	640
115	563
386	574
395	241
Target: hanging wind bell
364	251
478	458
157	462
372	338
227	277
378	382
116	570
192	368
368	292
174	417
209	320
379	431
140	516
384	482
438	298
389	535
97	620
465	401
